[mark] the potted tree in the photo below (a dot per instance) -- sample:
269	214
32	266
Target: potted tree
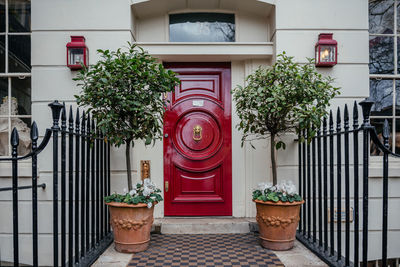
124	92
287	97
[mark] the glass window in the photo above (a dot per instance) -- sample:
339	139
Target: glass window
202	27
19	15
384	68
19	53
15	70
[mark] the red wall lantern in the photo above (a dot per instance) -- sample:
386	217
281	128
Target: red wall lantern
325	51
77	53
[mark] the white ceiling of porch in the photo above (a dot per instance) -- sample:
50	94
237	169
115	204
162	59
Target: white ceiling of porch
146	8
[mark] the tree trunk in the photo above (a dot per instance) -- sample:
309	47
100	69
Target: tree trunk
128	163
273	160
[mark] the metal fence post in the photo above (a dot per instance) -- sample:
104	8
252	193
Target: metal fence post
56	110
366	109
14	154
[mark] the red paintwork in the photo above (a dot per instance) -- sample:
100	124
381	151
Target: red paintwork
325	39
78	42
199	173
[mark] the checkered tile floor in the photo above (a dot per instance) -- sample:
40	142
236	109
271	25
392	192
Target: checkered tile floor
205	250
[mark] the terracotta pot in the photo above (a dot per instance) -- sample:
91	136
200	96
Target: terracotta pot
131	225
277	222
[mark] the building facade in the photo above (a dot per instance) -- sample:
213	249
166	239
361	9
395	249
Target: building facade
213	45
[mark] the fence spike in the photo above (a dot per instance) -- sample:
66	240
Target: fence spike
34	132
83	120
355	111
71	115
386	131
338	119
14	137
346	113
63	113
77	120
331	120
88	123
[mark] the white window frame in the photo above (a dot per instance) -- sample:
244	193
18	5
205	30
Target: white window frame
394	77
10	75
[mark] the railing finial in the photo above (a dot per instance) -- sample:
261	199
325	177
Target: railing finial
386	133
14	138
34	132
56	110
366	106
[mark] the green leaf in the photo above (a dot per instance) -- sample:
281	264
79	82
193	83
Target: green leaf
148	140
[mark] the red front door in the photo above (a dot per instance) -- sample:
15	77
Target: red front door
197	142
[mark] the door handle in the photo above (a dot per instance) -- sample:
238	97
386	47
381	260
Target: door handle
166	185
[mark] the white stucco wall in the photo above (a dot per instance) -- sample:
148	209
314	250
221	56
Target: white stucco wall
292	25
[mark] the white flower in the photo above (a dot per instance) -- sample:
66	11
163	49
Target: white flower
263	186
132	192
147	182
125	190
149	205
147	191
291	190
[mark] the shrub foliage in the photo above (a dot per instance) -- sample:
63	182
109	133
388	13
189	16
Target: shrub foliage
287	97
124	92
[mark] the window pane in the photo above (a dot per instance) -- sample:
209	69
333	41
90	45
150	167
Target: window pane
397	137
378	123
381	16
19	15
2	54
4	140
202	27
2	15
23	127
398	17
397	97
381	91
21	91
3	96
381	57
19	55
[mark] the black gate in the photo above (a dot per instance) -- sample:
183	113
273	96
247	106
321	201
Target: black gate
321	178
81	172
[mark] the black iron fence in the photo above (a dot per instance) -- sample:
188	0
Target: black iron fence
78	208
321	180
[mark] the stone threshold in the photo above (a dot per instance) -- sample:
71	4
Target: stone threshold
204	225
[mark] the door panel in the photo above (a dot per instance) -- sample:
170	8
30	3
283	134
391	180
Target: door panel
197	142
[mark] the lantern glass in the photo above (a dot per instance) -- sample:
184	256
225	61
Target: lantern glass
326	53
76	56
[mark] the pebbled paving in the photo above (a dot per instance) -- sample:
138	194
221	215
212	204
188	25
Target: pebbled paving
205	250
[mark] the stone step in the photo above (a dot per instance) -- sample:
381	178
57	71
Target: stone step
204	225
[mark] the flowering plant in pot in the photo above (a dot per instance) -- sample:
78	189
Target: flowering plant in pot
287	97
124	92
133	212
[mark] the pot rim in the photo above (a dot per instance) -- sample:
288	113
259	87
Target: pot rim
126	205
279	203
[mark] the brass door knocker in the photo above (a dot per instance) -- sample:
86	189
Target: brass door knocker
197	133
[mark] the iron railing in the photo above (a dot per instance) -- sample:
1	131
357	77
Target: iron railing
320	175
83	184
